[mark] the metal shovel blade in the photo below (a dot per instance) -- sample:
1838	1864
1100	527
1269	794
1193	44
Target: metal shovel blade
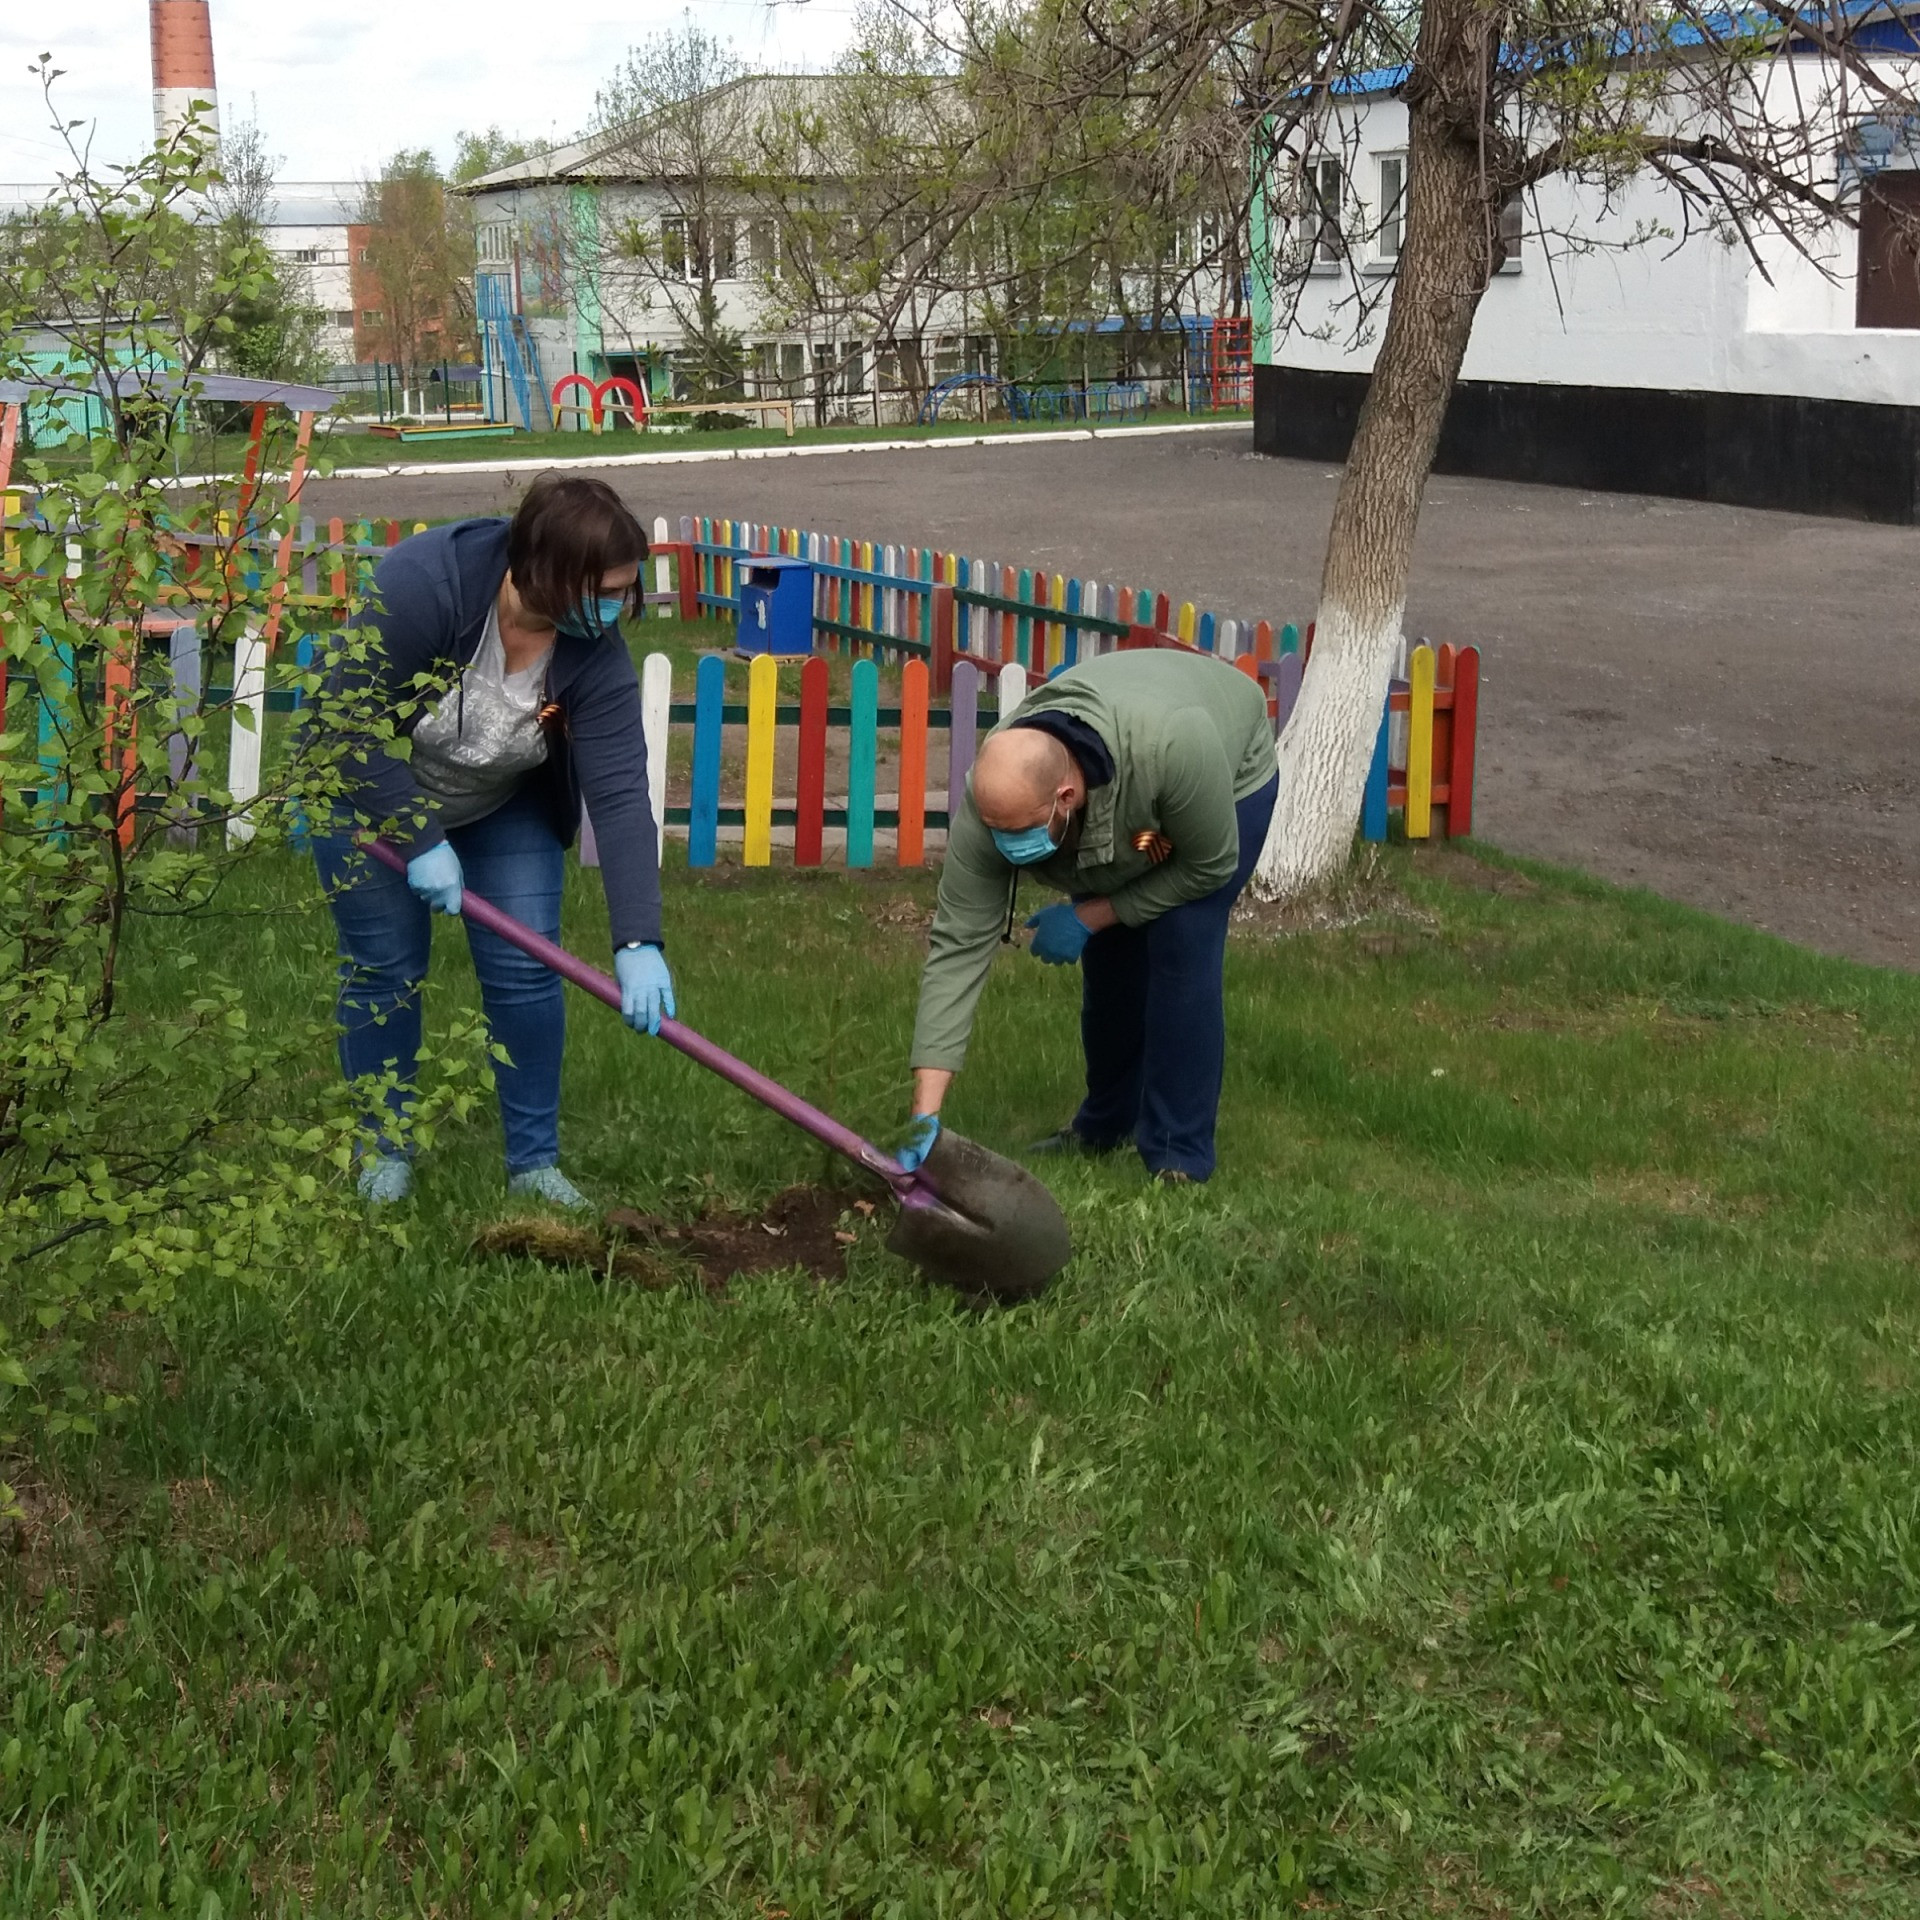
998	1234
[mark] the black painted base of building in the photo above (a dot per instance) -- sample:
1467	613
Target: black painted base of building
1741	449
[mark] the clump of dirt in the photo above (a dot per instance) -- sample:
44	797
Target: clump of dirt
556	1244
905	915
805	1227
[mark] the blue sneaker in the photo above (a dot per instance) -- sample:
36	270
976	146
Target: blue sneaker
384	1179
552	1186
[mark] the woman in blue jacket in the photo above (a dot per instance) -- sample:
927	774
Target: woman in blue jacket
533	707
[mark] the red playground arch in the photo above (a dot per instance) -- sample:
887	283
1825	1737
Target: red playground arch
595	405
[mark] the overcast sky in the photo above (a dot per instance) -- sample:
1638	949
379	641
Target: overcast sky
337	85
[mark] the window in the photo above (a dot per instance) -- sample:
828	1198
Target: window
946	356
793	364
494	241
763	250
305	256
1512	230
688	252
372	317
678	260
1393	207
1322	247
343	318
853	369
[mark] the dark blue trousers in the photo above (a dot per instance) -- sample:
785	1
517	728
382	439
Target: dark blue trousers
511	857
1152	1022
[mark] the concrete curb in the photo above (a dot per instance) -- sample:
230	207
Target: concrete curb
422	470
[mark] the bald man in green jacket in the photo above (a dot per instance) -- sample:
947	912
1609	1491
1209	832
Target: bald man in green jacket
1140	785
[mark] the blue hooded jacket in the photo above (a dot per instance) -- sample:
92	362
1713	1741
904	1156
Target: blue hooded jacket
432	595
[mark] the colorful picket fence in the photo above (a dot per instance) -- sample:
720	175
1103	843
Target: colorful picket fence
1423	765
860	813
916	604
314	571
958	629
919	602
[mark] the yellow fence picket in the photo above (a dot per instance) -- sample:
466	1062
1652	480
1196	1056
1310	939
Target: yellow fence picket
1420	744
763	689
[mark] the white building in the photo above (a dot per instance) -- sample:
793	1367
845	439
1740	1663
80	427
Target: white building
1611	352
590	262
311	226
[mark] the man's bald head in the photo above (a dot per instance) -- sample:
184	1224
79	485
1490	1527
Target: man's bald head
1023	778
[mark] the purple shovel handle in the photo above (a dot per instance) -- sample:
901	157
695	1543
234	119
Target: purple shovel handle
908	1188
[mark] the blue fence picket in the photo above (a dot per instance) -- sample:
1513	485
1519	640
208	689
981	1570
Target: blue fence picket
863	741
703	825
1373	800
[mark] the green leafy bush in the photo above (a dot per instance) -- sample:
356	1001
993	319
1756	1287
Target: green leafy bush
143	1143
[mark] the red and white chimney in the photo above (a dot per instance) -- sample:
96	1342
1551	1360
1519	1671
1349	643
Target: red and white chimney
182	65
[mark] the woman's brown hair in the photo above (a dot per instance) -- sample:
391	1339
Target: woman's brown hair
567	536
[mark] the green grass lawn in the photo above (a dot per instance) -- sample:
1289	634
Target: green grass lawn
1494	1494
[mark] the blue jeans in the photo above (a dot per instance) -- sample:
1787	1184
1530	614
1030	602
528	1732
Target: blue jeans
512	858
1152	1024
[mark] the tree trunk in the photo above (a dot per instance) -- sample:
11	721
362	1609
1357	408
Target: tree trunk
1450	250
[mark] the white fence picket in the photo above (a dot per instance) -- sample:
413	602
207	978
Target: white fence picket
243	751
656	704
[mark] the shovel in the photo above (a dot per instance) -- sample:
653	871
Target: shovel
968	1218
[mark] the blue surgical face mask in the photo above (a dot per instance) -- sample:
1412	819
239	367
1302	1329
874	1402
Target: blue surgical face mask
1025	846
594	619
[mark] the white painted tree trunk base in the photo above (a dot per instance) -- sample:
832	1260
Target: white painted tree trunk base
1326	750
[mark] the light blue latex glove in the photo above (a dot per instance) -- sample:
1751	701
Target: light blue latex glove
924	1131
646	987
1058	934
435	878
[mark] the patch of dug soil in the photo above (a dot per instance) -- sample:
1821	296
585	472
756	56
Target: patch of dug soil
804	1227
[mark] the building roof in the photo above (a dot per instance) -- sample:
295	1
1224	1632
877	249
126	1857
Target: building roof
651	149
315	203
295	203
1872	26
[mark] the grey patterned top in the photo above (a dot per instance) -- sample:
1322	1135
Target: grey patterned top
483	738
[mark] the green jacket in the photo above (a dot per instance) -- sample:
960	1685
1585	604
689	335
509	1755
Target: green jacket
1189	737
